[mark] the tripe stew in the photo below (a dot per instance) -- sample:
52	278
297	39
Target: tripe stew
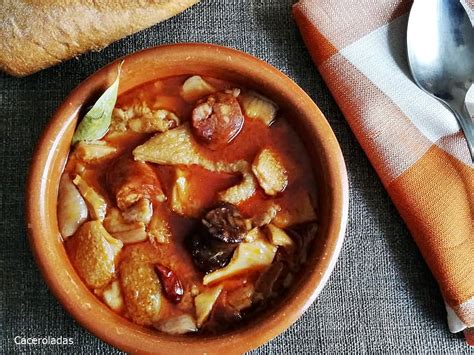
194	211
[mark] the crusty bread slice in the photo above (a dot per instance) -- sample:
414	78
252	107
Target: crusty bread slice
36	34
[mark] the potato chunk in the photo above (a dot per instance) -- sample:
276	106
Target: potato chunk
93	254
270	172
141	288
72	209
248	256
204	303
196	87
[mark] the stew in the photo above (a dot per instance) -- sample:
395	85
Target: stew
195	210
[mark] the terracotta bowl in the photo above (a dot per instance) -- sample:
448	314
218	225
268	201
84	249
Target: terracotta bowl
204	59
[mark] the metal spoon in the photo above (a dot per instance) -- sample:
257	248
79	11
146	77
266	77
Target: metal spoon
440	42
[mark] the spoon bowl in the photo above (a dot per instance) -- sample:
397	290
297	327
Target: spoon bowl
440	44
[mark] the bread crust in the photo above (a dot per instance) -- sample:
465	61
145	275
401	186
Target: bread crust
37	34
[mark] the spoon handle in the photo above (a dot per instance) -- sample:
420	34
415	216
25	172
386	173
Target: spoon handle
465	121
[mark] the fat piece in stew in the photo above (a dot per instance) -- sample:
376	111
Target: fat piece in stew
195	211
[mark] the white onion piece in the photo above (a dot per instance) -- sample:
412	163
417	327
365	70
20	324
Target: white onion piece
257	254
113	296
72	209
96	203
178	325
195	88
204	302
258	107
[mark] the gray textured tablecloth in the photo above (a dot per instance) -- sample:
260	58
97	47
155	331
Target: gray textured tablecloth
380	298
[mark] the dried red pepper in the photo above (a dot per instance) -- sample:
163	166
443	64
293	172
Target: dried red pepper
171	284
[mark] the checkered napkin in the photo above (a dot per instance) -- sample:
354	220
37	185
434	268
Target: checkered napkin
412	140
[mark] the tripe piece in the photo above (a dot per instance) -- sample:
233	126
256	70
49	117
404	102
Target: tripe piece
270	172
93	253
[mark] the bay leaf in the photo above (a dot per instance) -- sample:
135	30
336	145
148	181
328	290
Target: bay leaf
95	124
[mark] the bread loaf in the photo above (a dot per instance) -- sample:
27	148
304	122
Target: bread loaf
36	34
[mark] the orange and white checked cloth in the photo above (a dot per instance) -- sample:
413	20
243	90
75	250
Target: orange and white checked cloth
412	140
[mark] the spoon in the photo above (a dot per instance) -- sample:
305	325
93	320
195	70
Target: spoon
440	43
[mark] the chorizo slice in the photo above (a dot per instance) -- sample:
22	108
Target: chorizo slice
217	119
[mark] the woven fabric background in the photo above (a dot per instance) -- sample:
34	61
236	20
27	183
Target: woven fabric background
380	298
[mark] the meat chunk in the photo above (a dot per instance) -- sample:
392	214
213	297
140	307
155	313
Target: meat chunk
141	288
209	253
142	119
241	297
93	252
278	237
270	172
225	223
139	212
154	121
217	119
245	189
159	231
303	235
267	282
94	151
213	242
130	181
175	147
128	233
266	215
181	201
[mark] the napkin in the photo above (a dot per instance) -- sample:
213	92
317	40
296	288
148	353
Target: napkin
413	142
